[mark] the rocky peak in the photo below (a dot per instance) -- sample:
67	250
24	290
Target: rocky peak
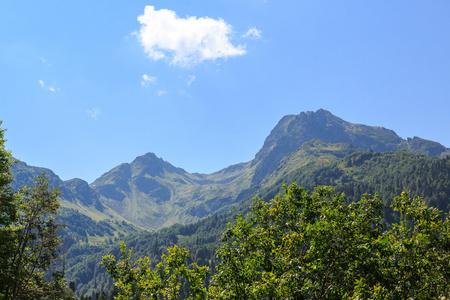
83	193
152	165
294	130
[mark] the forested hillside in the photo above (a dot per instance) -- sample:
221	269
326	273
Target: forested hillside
306	245
355	174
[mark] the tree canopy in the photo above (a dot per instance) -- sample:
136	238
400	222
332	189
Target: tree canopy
317	245
136	280
29	244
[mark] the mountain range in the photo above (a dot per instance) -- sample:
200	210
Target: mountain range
145	202
150	193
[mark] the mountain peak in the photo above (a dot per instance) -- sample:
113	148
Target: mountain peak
152	165
294	130
319	116
319	112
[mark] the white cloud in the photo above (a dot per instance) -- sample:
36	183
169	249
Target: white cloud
161	92
253	33
93	113
44	86
187	41
147	80
44	61
190	80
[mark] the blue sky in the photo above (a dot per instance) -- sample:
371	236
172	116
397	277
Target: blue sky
87	85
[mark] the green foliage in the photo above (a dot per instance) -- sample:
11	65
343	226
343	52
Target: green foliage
137	280
414	256
310	245
8	212
386	174
201	238
36	244
304	245
29	242
297	245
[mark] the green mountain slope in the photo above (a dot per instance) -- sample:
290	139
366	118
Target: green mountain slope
76	193
87	219
294	130
152	193
314	163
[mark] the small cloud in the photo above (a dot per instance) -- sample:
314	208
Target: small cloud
161	92
45	62
253	33
187	41
44	86
93	113
190	80
147	80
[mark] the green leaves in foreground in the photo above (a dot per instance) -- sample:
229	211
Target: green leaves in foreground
34	246
308	245
413	257
304	245
29	241
137	280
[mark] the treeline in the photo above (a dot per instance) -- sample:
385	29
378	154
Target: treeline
81	229
202	238
385	174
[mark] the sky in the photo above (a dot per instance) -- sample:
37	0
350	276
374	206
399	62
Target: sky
88	85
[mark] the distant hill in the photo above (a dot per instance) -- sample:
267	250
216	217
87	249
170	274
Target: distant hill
87	219
75	191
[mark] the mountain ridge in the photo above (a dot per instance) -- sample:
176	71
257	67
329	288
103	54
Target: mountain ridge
152	193
294	130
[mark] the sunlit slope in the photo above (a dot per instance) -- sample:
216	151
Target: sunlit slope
87	220
152	193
